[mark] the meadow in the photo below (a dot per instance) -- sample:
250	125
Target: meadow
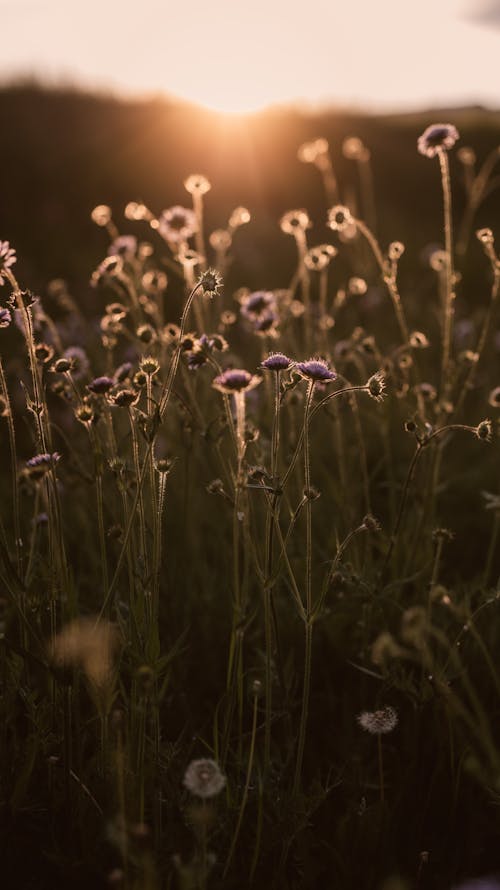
249	539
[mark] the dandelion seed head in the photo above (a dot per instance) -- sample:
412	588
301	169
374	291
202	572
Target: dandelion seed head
310	152
203	778
235	380
277	361
211	282
41	464
295	221
197	184
437	137
316	370
378	722
340	218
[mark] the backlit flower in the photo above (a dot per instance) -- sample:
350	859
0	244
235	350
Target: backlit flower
177	224
277	361
204	778
7	259
378	722
340	218
235	380
436	138
316	370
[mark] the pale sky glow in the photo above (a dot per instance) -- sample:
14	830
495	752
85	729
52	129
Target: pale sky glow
241	56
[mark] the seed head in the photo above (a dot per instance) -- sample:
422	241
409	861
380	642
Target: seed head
437	137
376	386
150	365
125	397
340	218
378	722
100	385
484	431
211	282
204	778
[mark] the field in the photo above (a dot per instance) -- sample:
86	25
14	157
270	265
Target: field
249	539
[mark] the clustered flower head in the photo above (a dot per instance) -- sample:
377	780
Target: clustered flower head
312	152
204	778
378	722
41	464
277	361
177	224
340	218
197	184
436	138
316	370
124	246
235	380
7	259
5	317
295	221
376	386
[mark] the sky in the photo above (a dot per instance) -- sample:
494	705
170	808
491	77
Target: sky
243	55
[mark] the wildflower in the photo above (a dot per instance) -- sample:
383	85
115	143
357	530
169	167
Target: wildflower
466	155
85	413
311	152
177	224
235	380
197	184
41	464
277	361
340	218
438	260
257	303
376	386
295	221
4	407
485	236
101	215
378	722
125	397
214	341
354	149
100	385
228	317
220	239
239	217
436	138
80	364
494	397
123	372
357	286
210	282
137	211
154	282
124	246
150	365
44	353
316	259
427	391
5	317
316	370
146	333
7	259
484	430
266	324
203	778
418	340
111	267
396	250
370	523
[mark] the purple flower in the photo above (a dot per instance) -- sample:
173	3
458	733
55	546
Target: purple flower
7	259
255	304
316	370
235	380
5	318
124	246
39	465
79	361
437	137
277	361
101	385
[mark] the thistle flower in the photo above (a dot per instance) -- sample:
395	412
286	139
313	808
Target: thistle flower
177	224
7	259
340	218
203	778
124	246
436	138
277	361
210	282
197	184
316	370
378	722
235	380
